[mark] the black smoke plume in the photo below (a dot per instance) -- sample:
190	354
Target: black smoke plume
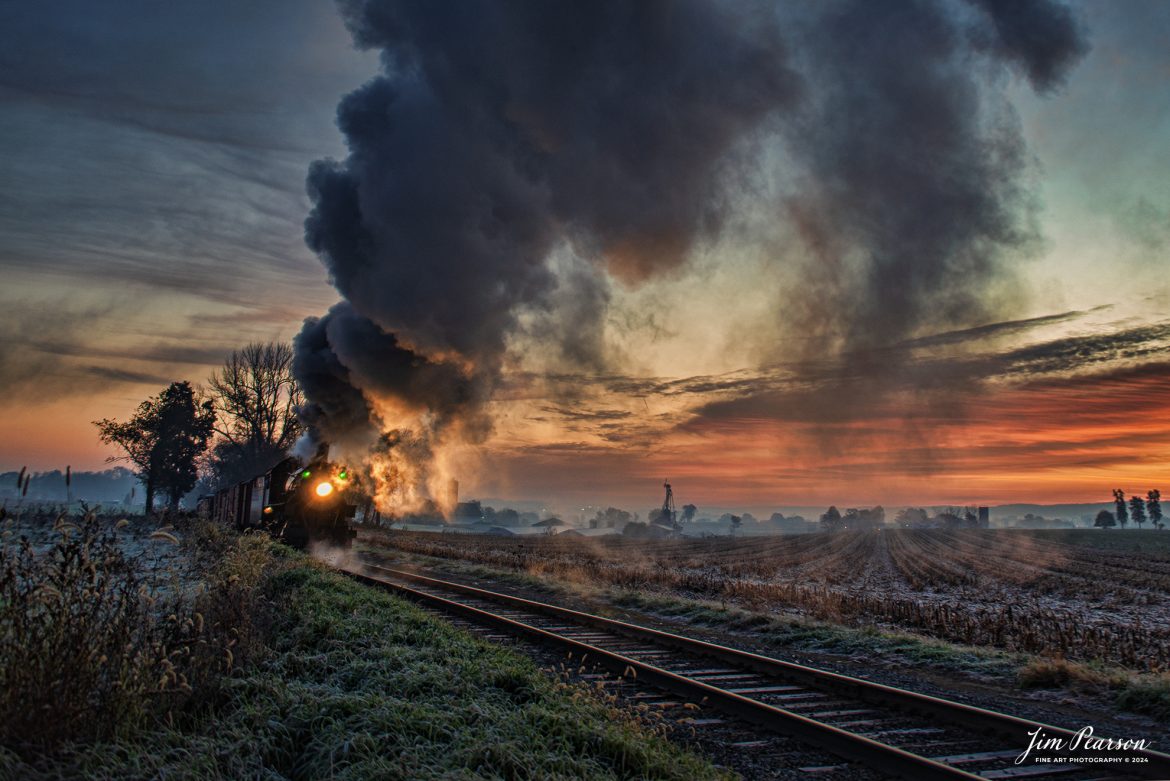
378	400
623	134
913	196
497	134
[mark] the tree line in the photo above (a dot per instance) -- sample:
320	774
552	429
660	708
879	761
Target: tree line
1136	509
237	427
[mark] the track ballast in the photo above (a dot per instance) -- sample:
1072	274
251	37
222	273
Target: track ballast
893	731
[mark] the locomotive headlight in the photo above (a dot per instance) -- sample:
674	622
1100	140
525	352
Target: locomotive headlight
324	488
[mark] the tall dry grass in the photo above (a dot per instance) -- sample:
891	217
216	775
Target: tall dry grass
92	644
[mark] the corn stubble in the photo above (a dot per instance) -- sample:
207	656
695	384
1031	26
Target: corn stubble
1010	590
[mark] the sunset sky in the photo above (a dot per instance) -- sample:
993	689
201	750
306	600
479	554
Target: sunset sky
152	218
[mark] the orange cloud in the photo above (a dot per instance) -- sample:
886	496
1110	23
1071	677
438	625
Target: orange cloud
1066	440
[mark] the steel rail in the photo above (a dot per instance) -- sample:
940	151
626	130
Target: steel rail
848	745
1156	765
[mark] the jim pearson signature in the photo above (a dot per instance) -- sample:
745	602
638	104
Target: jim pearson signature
1083	740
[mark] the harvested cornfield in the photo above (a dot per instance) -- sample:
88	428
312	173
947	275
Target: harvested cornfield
1016	590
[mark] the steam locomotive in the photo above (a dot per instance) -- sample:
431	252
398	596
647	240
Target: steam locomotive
298	504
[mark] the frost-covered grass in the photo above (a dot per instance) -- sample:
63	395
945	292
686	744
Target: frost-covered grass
355	684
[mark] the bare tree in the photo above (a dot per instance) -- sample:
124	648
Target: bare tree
255	397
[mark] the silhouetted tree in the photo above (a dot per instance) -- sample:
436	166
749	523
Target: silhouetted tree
255	398
831	519
862	518
909	517
1105	520
1154	507
1137	510
1119	503
948	519
163	440
689	511
468	511
612	518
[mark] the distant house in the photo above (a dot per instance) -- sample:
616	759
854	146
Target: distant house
549	523
500	531
651	530
484	527
592	532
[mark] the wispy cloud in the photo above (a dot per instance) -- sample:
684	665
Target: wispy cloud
1005	328
970	422
126	376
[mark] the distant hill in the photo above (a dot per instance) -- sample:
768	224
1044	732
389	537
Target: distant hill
1069	512
1003	511
110	486
999	513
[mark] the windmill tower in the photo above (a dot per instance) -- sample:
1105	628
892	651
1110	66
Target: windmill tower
669	513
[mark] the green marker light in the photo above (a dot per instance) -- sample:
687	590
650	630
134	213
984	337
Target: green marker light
306	474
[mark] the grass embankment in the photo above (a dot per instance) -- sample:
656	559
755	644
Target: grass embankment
351	683
1132	691
1145	693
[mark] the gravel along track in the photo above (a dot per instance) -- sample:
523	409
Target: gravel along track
790	720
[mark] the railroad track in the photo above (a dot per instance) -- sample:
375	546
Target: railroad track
895	731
